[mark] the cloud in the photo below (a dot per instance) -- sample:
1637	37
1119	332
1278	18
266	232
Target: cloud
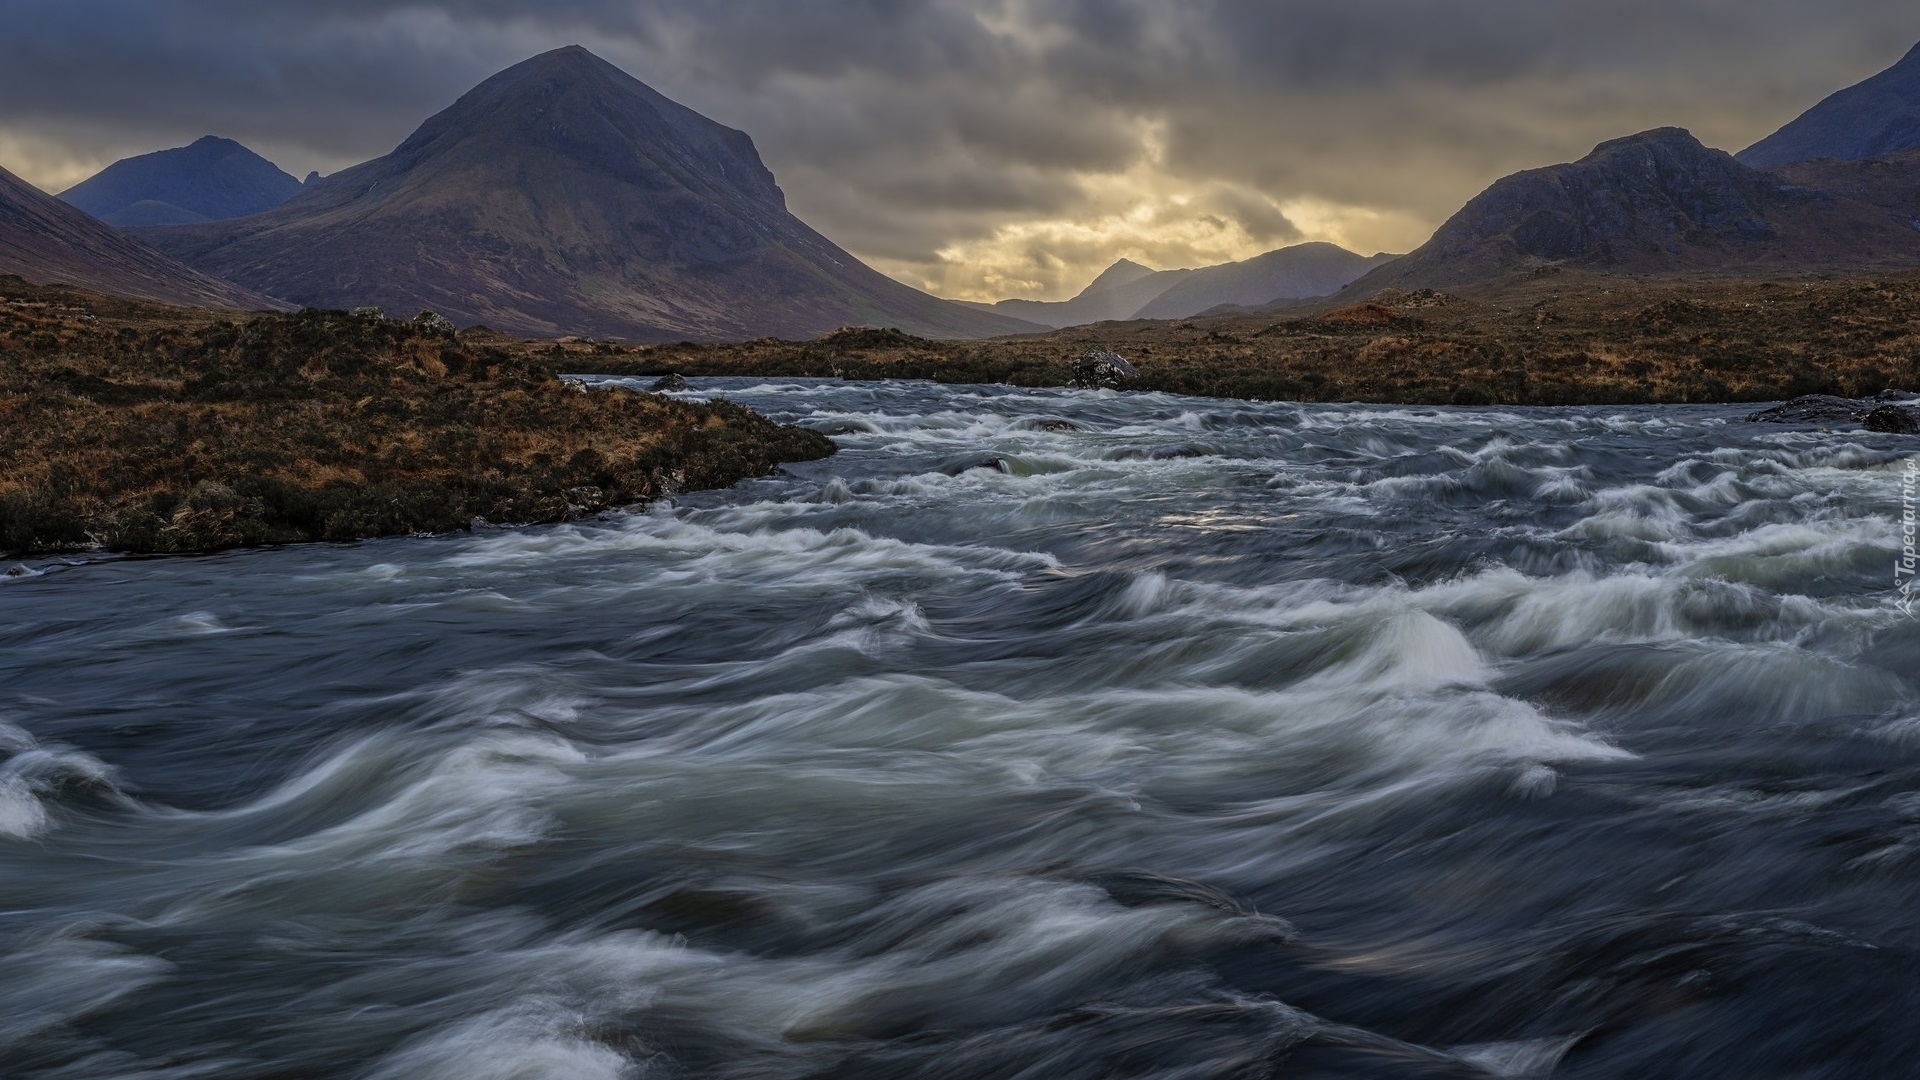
980	147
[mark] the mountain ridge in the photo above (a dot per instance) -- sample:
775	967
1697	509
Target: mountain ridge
1656	202
1126	290
1873	118
564	196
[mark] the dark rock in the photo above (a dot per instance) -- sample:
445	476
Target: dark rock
1893	420
1812	409
990	461
1101	368
672	380
1170	453
1048	423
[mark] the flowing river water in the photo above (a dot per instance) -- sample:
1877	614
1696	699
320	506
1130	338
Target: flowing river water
1037	734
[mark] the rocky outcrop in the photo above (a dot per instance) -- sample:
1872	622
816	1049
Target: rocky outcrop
671	381
1882	413
1102	369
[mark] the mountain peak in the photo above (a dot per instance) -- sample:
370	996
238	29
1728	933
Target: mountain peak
1671	137
210	179
1120	274
564	196
1875	118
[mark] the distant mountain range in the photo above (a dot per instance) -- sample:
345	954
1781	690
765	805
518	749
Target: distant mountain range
563	196
1127	290
1875	118
212	179
45	240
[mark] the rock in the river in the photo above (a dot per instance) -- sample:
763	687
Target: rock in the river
1876	413
1101	368
1812	409
672	380
1893	420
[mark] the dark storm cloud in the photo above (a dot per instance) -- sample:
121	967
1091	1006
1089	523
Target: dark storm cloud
906	127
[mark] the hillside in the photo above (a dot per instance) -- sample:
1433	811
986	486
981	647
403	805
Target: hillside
1875	118
563	196
44	240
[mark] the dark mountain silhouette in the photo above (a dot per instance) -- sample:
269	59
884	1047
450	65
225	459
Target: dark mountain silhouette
212	179
1654	203
1875	118
44	240
1127	290
562	196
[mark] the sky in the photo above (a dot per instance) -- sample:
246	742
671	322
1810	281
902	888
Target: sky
983	149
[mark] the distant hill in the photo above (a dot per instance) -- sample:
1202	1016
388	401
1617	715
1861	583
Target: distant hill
214	178
563	196
44	240
1291	273
1875	118
1655	203
1127	290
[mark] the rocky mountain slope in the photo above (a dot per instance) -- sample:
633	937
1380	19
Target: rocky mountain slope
564	197
44	240
214	178
1872	119
1658	203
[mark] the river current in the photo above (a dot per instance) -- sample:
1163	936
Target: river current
1037	734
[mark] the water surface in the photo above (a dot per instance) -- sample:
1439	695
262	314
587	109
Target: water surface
1037	734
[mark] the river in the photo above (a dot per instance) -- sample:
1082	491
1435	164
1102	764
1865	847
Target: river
1037	734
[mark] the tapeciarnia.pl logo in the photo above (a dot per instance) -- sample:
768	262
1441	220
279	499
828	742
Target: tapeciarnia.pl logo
1908	565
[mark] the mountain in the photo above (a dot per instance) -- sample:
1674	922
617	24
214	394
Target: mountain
213	178
1127	290
1872	119
43	239
563	196
1291	273
1657	202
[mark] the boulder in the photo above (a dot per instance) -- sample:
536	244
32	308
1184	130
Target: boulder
1813	409
672	380
1893	420
370	313
1100	369
433	322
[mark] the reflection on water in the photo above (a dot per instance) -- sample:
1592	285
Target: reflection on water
1037	734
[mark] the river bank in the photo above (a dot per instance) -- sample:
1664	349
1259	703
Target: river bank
138	428
1555	339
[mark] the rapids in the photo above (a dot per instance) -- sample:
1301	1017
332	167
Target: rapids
1037	734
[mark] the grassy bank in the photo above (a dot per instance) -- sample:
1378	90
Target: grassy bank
137	428
1555	339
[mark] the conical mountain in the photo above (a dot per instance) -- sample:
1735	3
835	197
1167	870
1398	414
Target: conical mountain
43	239
1653	203
563	196
1875	118
213	178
